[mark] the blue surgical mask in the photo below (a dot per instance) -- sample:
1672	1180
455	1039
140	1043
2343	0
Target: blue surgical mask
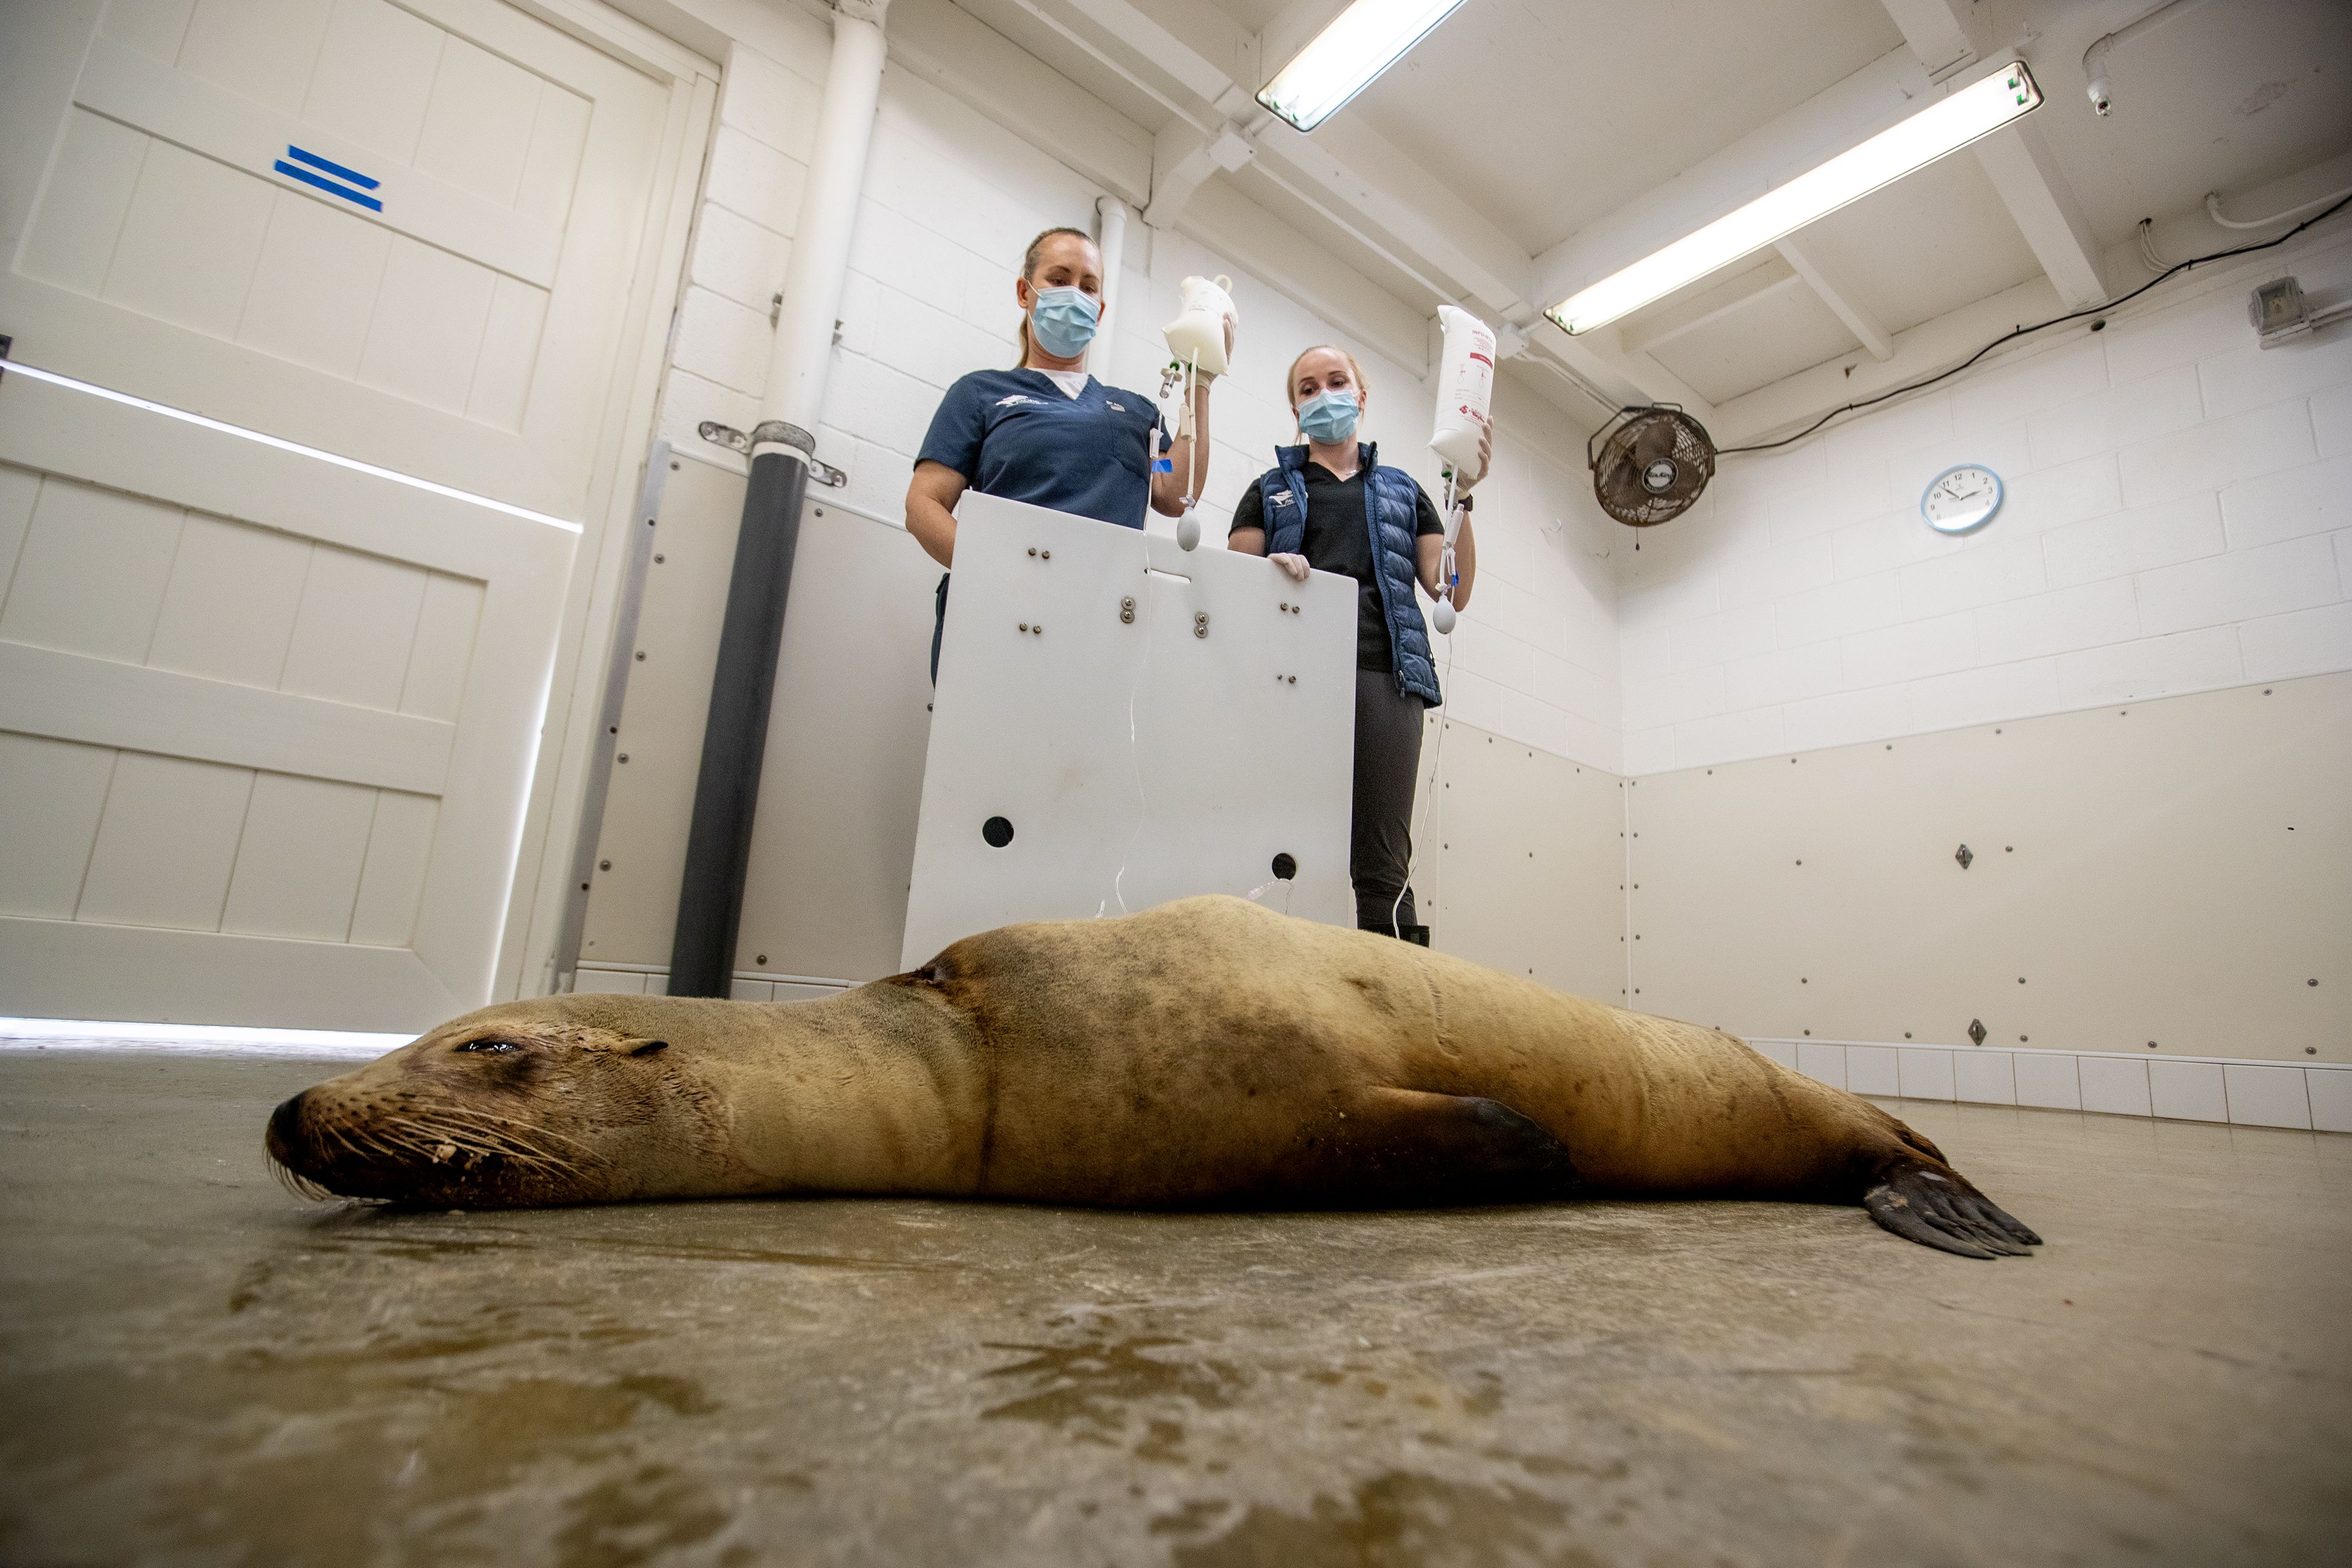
1328	415
1064	321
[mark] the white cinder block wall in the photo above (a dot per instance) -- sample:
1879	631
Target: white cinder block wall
2176	521
950	200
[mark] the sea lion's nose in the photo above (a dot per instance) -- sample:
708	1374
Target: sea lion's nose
285	1129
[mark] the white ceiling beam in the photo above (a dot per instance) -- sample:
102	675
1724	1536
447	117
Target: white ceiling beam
1196	45
2036	192
1230	224
1182	159
1838	297
1845	112
2018	161
1653	330
946	46
1935	33
1408	203
1624	380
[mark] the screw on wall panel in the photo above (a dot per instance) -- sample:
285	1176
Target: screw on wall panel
623	757
584	887
2311	983
1977	1031
2311	1051
1293	681
1127	612
1965	857
1045	555
2020	1039
673	468
2151	1045
1906	1033
1039	629
659	559
603	865
1033	550
1025	626
2021	980
1199	622
641	656
761	961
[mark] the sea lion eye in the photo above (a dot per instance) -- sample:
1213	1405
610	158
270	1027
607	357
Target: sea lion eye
492	1047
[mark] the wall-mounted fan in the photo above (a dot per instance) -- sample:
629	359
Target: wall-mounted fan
1649	464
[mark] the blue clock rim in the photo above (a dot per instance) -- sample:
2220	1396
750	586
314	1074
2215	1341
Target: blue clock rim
2000	494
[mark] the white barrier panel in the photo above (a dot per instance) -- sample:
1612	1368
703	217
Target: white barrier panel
1146	723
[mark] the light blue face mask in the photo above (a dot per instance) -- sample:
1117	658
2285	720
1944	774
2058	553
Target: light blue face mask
1328	415
1064	321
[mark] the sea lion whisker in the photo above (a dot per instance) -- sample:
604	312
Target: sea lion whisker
506	1122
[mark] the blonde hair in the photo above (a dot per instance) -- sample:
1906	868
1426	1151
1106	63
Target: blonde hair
1029	259
1291	377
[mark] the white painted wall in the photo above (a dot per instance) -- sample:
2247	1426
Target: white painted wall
2176	521
951	201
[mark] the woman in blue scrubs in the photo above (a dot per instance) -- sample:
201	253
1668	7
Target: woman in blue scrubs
1045	432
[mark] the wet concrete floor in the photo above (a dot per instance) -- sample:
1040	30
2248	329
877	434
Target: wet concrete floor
197	1367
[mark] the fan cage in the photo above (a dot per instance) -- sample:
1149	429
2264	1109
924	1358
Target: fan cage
1641	437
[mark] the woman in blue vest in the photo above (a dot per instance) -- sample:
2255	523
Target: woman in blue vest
1331	506
1045	432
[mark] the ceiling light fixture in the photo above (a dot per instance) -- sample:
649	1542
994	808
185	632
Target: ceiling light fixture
1945	126
1361	42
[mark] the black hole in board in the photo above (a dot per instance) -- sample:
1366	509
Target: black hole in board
1284	867
998	831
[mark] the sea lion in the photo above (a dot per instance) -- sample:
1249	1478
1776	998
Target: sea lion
1207	1053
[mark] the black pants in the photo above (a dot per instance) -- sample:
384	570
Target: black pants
1387	762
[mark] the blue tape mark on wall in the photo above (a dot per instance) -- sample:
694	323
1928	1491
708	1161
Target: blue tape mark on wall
301	156
308	177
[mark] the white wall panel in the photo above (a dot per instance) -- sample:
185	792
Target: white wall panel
48	819
2124	453
354	629
91	573
167	843
229	605
298	859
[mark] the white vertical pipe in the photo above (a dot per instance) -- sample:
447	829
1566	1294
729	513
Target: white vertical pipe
819	261
1110	238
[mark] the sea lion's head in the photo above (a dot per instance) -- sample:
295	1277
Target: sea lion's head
564	1100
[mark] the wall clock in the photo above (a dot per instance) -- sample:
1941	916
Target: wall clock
1960	500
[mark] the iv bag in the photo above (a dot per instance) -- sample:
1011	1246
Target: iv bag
1200	326
1466	387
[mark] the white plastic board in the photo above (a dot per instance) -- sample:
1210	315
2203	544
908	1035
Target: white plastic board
1136	760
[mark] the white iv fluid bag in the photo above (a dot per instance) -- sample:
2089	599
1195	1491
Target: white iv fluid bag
1466	387
1200	326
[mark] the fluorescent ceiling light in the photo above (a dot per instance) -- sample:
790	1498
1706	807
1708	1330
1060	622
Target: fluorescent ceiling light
1945	126
1363	41
9	367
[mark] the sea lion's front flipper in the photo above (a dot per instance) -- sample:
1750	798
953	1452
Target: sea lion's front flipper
1395	1148
1938	1209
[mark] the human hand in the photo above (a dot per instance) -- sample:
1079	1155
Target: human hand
1462	485
1293	566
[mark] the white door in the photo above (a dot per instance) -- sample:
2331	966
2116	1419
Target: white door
267	722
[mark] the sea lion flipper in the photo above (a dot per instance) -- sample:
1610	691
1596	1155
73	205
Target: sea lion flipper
1939	1210
1395	1148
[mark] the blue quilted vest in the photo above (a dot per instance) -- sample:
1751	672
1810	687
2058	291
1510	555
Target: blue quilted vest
1390	511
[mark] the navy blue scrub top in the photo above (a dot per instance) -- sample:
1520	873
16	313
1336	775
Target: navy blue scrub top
1015	434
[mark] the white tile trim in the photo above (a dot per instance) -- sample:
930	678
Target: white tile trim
2326	1105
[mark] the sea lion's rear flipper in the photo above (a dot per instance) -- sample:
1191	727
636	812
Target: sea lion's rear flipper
1396	1148
1937	1208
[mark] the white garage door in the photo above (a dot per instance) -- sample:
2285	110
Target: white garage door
268	723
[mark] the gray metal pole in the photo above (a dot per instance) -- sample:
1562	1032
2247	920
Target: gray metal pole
782	452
